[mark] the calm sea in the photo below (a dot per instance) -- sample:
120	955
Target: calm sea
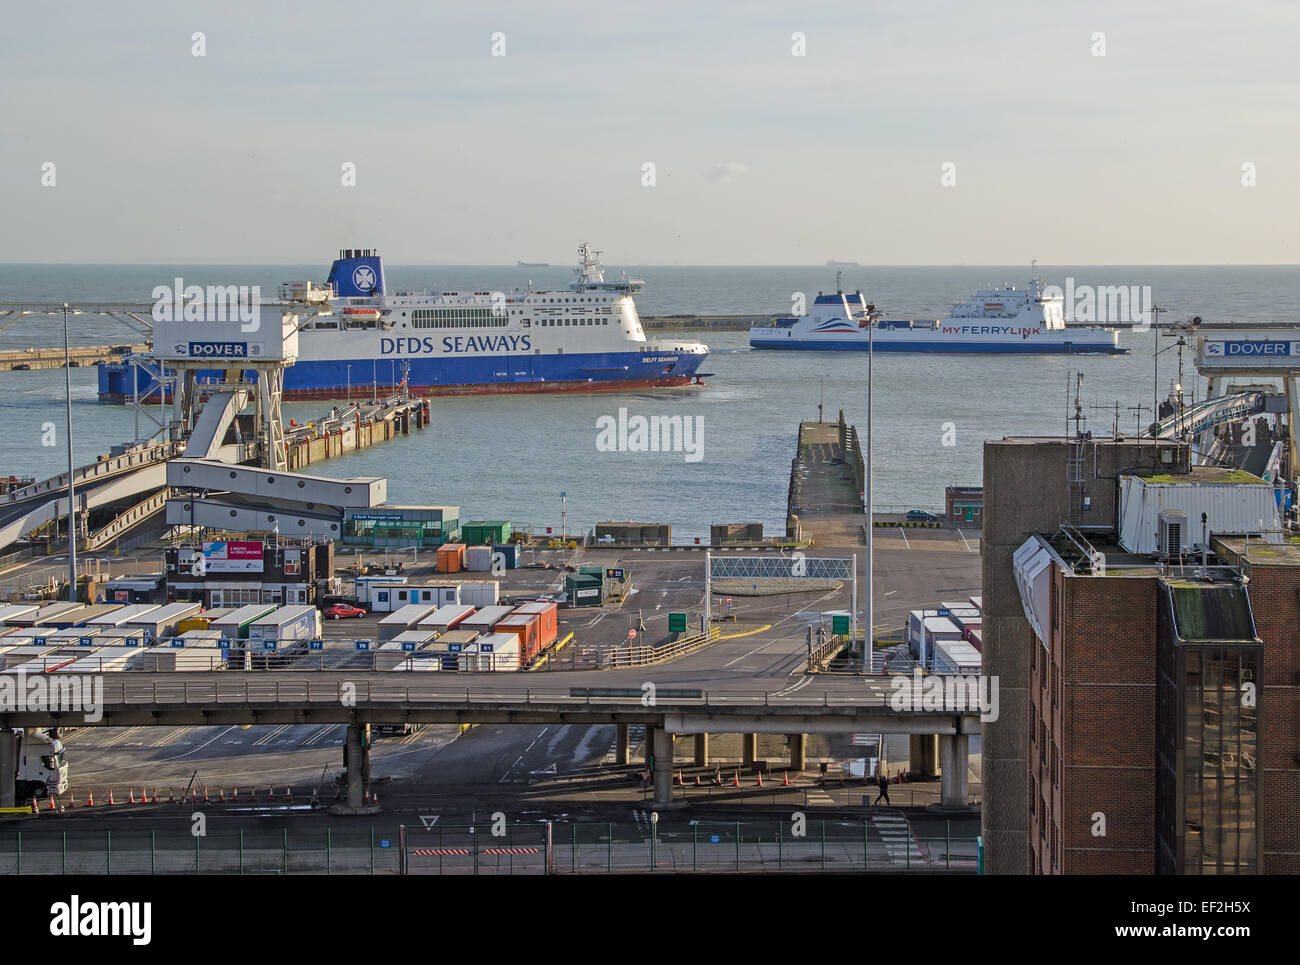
511	457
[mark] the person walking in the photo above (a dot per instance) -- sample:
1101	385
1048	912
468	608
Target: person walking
882	782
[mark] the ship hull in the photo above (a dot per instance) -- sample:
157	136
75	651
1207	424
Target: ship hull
496	375
938	342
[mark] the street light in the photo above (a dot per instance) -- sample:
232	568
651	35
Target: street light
72	494
349	385
868	641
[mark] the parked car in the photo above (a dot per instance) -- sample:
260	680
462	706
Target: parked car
340	611
921	516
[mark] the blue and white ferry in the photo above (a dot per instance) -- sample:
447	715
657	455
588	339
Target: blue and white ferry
1004	320
584	338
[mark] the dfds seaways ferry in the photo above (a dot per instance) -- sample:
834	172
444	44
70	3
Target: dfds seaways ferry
584	338
995	320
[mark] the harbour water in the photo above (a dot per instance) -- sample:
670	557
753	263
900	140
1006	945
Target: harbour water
511	457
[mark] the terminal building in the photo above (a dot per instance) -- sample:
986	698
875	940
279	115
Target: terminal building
1140	617
234	573
401	526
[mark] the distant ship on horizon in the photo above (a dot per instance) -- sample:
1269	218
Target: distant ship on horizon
842	264
533	264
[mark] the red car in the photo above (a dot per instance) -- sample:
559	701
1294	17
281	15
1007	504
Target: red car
340	610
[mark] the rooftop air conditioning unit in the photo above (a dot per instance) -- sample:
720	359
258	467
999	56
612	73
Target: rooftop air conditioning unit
1173	526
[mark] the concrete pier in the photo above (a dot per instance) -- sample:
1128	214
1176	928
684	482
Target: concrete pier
662	743
622	745
8	767
701	750
923	759
798	755
748	748
953	763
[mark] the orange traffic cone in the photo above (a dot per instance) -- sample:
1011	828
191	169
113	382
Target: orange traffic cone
235	796
253	794
760	779
35	809
785	779
110	796
130	795
735	781
155	795
72	800
678	780
171	795
288	794
52	802
90	798
697	780
221	795
270	793
205	794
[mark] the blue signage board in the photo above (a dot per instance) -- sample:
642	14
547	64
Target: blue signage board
363	644
316	645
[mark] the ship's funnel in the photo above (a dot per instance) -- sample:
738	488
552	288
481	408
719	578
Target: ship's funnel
357	273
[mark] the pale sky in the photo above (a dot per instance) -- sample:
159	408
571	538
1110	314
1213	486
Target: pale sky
761	156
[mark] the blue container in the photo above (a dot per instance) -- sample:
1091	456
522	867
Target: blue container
511	553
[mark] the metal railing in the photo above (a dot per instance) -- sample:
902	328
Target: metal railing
884	841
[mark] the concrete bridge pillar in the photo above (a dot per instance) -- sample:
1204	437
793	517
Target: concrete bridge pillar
798	756
355	759
748	748
662	743
622	744
701	750
924	755
8	767
953	762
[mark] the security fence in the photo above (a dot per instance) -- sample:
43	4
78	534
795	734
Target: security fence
884	842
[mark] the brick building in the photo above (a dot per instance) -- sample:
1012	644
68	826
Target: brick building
1122	747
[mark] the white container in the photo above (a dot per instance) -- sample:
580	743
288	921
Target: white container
124	615
480	593
936	629
389	656
364	588
486	618
412	640
13	611
107	660
445	617
478	559
956	657
403	619
1232	508
162	621
497	652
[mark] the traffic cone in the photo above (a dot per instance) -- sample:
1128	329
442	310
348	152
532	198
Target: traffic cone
35	809
679	782
205	794
697	780
90	798
130	795
735	781
72	800
270	793
760	779
785	780
374	800
171	795
288	794
235	796
52	802
253	794
221	795
110	796
155	795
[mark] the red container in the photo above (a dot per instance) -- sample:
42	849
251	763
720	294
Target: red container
548	615
451	557
526	627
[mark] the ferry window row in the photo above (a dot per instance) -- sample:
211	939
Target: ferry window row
457	318
552	322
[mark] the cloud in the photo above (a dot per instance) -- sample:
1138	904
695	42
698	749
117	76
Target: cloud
727	171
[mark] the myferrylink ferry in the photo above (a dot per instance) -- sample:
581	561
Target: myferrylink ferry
584	338
1004	320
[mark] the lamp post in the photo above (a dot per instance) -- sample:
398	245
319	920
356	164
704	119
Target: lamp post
72	494
349	385
868	641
